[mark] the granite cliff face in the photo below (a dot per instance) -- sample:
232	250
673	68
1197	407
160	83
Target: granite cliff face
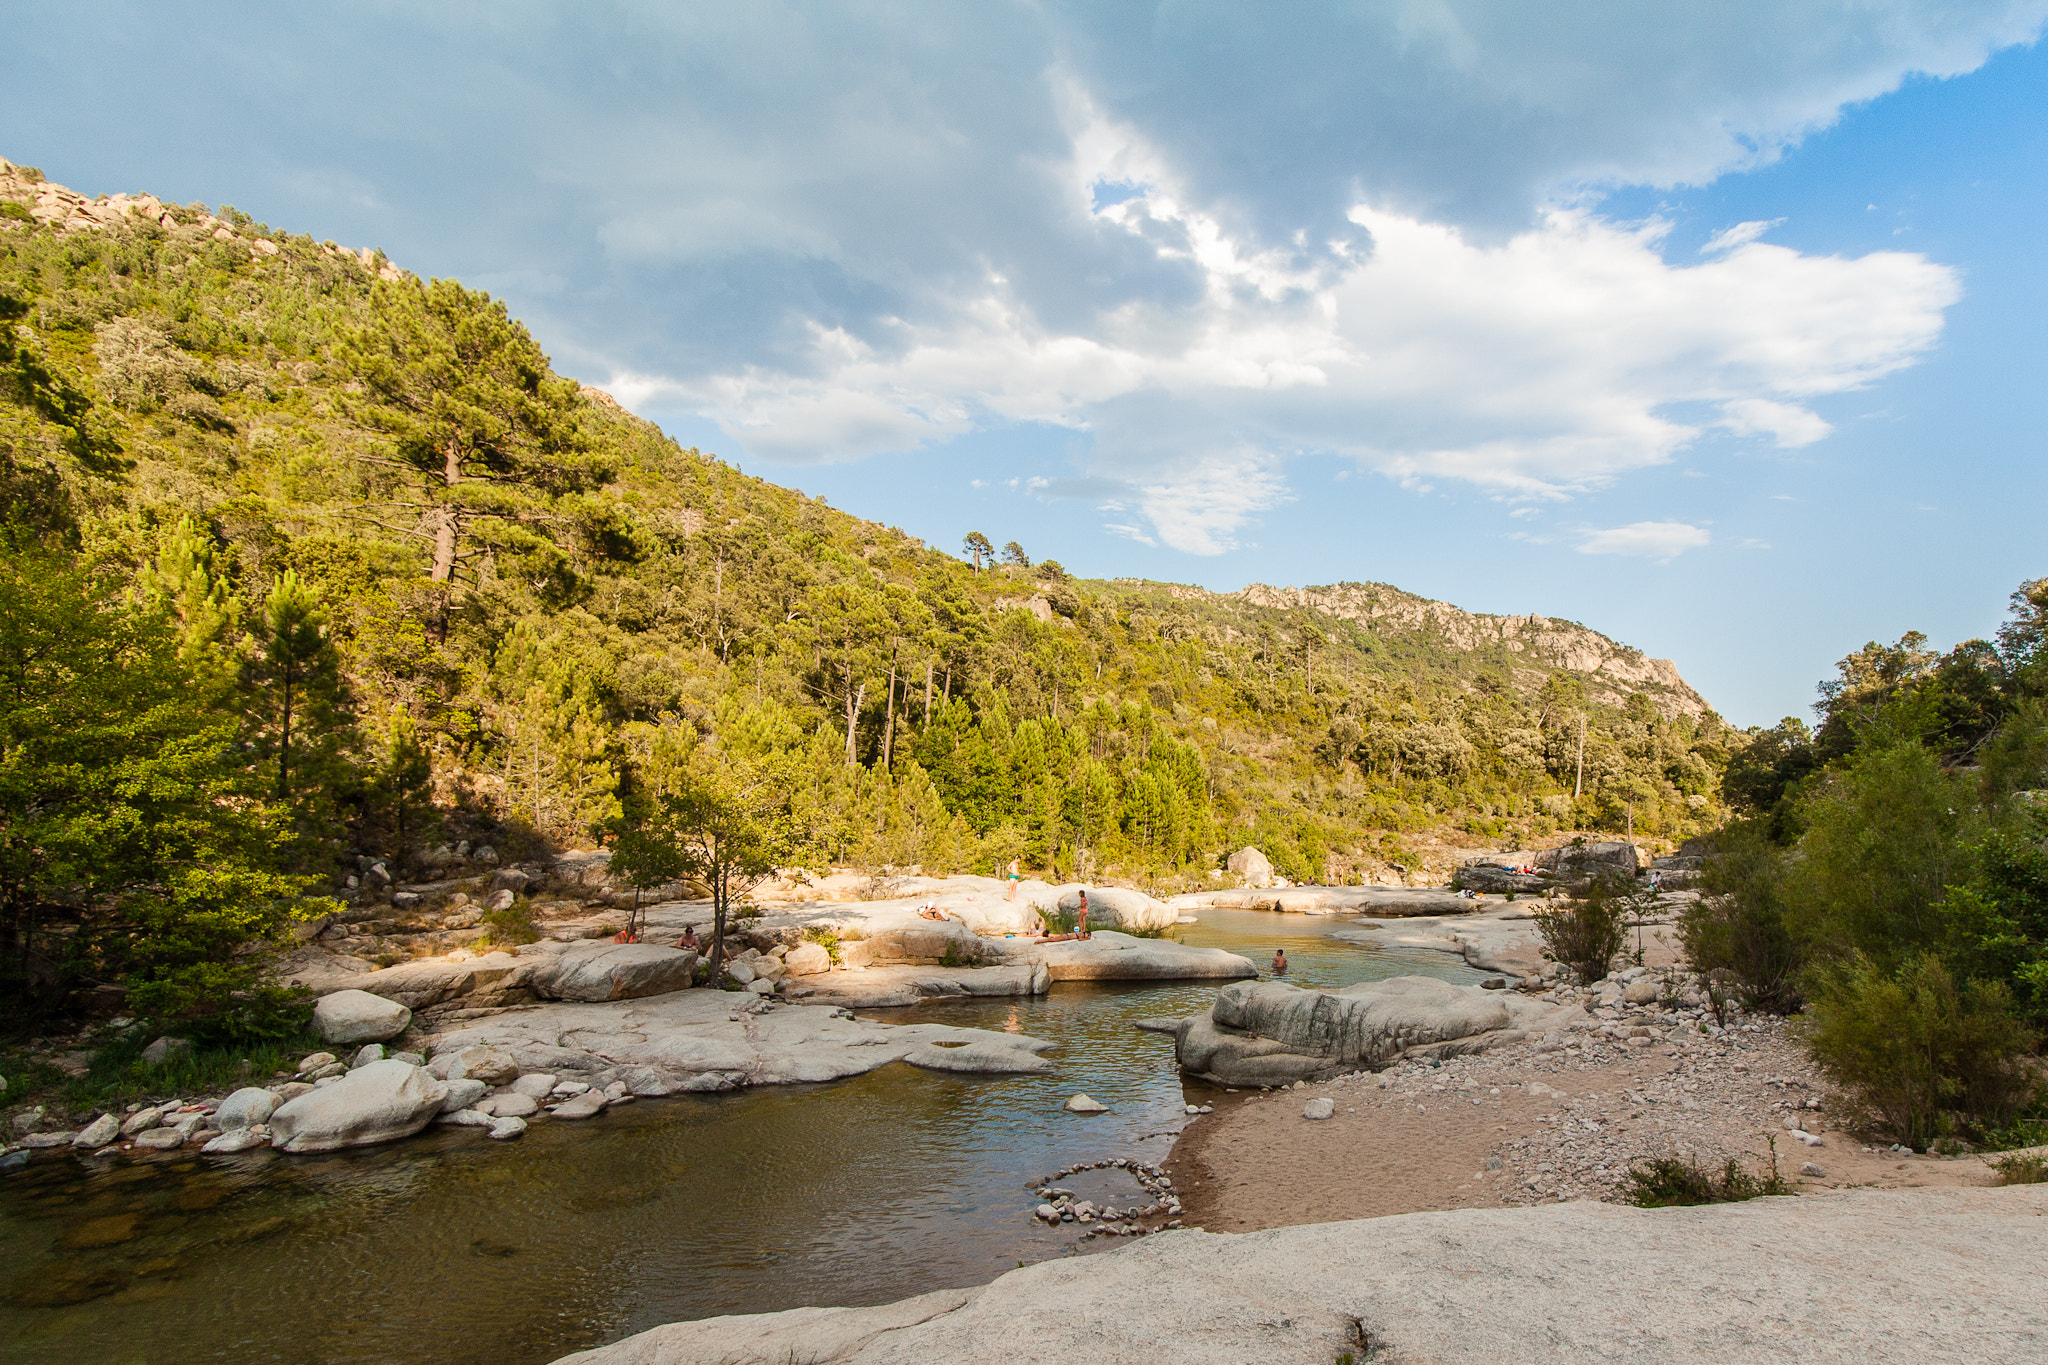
1542	640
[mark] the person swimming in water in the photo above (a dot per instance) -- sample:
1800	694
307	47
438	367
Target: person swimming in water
1279	962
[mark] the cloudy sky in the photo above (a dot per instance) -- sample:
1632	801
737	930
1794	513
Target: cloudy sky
1716	325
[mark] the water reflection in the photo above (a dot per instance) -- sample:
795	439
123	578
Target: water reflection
453	1249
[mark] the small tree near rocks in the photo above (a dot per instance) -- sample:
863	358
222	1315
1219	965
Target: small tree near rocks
1586	935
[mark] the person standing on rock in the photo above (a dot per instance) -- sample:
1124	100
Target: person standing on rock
1014	879
1081	920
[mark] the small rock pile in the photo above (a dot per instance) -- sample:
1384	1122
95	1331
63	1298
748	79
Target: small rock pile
1108	1220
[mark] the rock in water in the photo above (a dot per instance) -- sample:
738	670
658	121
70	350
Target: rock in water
238	1140
381	1102
245	1108
504	1130
1081	1104
99	1132
358	1017
141	1122
613	971
508	1106
160	1139
589	1104
538	1084
1320	1108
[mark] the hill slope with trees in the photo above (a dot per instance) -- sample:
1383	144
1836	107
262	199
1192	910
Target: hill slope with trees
390	580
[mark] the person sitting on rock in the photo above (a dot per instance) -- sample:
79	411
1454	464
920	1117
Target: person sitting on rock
930	910
1279	962
688	941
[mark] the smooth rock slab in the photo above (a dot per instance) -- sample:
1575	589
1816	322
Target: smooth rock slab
381	1102
513	1106
1948	1277
505	1129
354	1016
1271	1033
462	1094
689	1041
587	1105
612	971
160	1139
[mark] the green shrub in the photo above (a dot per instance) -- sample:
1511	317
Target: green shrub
825	938
1736	932
1668	1183
2021	1168
511	926
1922	1055
1588	934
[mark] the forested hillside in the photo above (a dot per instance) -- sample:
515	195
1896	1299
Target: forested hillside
418	586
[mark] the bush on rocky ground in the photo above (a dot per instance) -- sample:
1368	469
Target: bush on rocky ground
1668	1183
2028	1168
1923	1056
510	926
1586	935
1735	932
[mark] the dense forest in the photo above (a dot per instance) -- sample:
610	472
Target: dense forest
309	559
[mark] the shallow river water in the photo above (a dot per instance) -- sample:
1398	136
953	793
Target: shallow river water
451	1249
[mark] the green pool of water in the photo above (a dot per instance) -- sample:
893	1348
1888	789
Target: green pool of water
449	1248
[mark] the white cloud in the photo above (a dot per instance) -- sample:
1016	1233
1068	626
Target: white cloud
1663	541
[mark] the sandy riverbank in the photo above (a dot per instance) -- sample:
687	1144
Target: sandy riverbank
1520	1126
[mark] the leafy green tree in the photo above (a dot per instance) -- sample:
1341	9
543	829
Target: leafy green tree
1998	917
1013	553
133	853
1737	929
188	579
468	400
977	547
1884	840
298	701
709	811
399	808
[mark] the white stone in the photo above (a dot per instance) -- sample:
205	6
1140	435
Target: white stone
807	959
235	1140
367	1053
160	1139
99	1132
1809	1169
462	1094
1082	1104
141	1122
505	1129
1319	1108
314	1061
538	1084
492	1066
358	1017
508	1106
381	1102
589	1104
244	1108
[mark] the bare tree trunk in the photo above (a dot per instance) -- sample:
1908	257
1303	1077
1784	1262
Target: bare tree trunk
445	521
1579	779
853	702
284	743
927	691
889	712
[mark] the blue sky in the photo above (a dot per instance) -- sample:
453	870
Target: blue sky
1714	326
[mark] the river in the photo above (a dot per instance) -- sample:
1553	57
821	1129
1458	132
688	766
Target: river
452	1249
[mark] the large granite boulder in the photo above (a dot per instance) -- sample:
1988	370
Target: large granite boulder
482	982
1110	956
1579	865
1117	907
1251	867
358	1017
377	1103
612	971
1271	1033
1495	878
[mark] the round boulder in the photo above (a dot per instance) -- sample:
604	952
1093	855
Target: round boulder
358	1017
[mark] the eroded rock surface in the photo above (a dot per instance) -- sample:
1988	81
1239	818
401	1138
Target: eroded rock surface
376	1103
1933	1277
1271	1033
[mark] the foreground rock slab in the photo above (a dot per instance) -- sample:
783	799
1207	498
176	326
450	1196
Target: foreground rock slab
1930	1277
704	1040
1271	1033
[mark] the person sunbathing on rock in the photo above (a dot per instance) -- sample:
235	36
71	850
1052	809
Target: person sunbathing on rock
930	910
